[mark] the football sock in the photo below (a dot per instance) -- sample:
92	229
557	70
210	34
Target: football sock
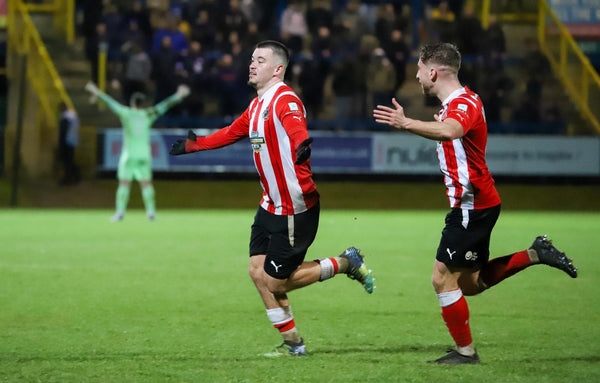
122	197
148	197
283	320
455	312
501	268
329	268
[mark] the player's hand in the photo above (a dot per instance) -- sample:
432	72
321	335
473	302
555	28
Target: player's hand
184	146
91	87
182	91
303	151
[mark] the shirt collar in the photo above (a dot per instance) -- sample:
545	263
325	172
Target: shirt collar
454	94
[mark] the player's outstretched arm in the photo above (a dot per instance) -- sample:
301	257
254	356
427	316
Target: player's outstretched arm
184	146
303	151
92	88
113	104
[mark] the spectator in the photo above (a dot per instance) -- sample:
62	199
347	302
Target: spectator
497	86
381	79
344	86
253	35
230	82
194	72
115	26
68	139
442	26
132	35
94	44
535	69
351	23
138	70
359	99
251	11
495	40
469	33
268	20
163	70
139	14
233	19
204	30
318	16
386	22
322	44
92	16
312	80
398	53
178	41
293	26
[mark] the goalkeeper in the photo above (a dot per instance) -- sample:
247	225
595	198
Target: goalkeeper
135	162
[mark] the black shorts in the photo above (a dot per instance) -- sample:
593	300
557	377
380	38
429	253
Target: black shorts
284	239
465	239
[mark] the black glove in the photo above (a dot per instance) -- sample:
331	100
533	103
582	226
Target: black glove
183	146
303	151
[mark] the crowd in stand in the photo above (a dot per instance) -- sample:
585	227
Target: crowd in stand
346	54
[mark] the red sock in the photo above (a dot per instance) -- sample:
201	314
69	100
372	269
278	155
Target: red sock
285	326
456	317
501	268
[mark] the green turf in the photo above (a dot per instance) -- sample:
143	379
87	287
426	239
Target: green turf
86	300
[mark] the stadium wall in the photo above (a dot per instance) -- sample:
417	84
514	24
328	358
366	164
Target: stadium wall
376	154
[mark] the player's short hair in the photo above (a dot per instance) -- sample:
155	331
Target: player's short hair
278	48
444	54
137	99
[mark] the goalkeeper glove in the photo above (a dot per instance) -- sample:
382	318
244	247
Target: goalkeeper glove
184	146
303	151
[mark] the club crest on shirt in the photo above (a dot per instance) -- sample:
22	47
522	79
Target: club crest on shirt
265	114
256	141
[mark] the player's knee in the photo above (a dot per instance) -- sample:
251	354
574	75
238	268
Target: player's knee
255	272
437	283
276	286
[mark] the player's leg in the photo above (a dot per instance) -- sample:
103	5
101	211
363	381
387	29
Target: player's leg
143	173
148	196
541	252
125	176
464	246
122	198
350	262
455	312
278	309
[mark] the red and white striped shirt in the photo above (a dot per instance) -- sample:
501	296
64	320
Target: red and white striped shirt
276	125
469	184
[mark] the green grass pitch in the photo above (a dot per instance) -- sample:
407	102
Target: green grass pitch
86	300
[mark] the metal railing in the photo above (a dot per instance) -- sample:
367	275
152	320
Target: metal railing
571	66
63	15
34	95
24	39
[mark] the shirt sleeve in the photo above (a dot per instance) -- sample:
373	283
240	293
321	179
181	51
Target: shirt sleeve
113	104
461	111
166	104
226	136
292	115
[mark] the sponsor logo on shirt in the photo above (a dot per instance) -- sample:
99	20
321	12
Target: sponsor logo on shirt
256	141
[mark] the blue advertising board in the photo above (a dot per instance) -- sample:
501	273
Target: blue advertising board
377	153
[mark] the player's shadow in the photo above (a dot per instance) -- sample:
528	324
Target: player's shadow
380	349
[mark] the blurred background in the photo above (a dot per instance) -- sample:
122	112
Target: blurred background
534	63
